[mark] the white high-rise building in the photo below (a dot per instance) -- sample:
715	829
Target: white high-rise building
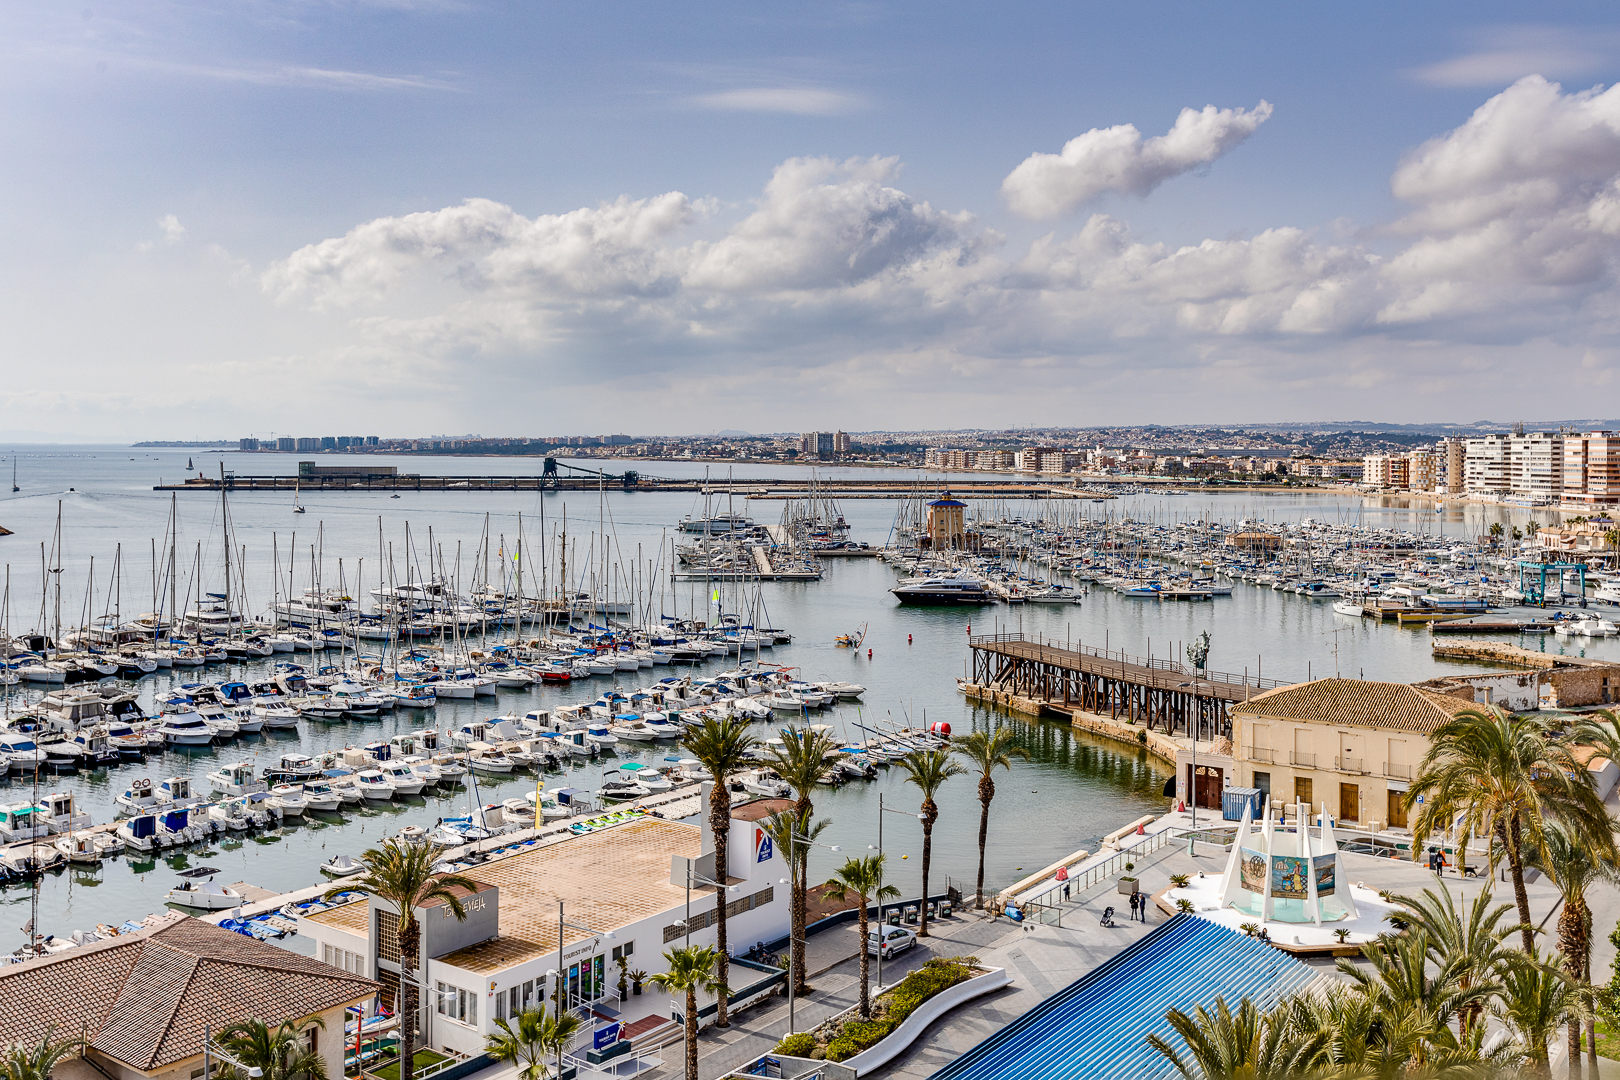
1485	465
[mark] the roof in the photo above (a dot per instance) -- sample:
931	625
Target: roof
1394	706
355	917
1098	1025
143	999
760	809
607	879
947	502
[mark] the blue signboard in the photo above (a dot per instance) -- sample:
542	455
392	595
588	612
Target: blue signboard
605	1036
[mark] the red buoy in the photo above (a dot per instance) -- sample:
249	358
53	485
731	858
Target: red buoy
869	654
940	727
908	639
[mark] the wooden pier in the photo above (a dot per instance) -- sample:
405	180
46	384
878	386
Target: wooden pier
1159	694
793	488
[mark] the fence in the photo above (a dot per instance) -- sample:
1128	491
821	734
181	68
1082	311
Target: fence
1097	873
1119	656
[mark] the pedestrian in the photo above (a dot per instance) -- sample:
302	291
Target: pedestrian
1065	891
1135	900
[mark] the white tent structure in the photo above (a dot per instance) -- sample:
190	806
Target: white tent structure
1276	874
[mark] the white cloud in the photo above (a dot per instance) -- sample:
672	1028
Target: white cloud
173	231
1503	55
1119	159
800	100
837	277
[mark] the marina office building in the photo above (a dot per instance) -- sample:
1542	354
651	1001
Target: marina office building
628	881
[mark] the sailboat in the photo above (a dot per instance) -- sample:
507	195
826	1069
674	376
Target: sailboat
189	465
298	507
14	486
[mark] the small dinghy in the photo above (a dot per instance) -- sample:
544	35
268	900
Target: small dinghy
342	866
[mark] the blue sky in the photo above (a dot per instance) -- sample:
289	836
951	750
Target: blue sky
254	217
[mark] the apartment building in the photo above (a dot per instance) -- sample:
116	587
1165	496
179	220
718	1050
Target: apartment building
1485	465
1536	465
1386	471
1591	469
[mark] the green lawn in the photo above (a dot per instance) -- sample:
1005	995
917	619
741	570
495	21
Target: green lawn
423	1059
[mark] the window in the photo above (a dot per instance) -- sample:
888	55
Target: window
457	1004
624	951
1262	780
342	958
388	936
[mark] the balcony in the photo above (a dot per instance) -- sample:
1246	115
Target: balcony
1307	761
1260	753
1350	764
1397	772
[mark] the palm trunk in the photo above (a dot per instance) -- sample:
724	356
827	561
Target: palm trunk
987	791
1527	929
691	1035
1570	941
928	858
796	946
408	942
866	962
720	825
1575	1050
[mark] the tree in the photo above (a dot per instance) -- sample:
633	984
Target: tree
1575	870
691	969
929	769
536	1038
986	751
722	745
863	877
35	1060
802	762
1496	532
793	834
279	1052
1536	1000
1246	1044
401	874
1469	943
1492	774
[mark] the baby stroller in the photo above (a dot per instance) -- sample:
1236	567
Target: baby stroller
1107	917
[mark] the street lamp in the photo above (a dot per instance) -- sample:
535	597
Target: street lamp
793	885
562	994
881	811
211	1051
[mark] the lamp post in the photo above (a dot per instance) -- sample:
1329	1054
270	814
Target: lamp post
210	1051
562	992
793	885
1198	653
881	811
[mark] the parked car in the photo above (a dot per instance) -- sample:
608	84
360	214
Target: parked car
891	940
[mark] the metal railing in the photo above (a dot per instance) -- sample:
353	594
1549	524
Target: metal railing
1099	872
1350	764
1121	657
1397	772
1306	760
1260	753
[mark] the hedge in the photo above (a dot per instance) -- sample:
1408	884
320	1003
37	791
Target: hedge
936	975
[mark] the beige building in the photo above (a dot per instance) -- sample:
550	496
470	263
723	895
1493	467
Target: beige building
1345	746
142	1001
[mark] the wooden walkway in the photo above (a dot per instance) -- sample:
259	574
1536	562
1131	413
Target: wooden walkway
1160	694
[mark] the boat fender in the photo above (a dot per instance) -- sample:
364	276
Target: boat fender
869	654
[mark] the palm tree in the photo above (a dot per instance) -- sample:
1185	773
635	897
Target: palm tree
34	1061
1488	773
802	762
279	1052
1247	1044
862	876
535	1038
691	969
1575	870
401	874
984	752
793	835
722	745
929	769
1496	532
1536	1000
1470	943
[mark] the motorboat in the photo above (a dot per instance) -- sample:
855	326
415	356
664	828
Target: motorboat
288	799
141	795
79	847
959	588
320	795
236	779
186	728
204	894
374	785
139	833
520	811
277	717
490	760
176	790
295	767
62	814
424	769
846	690
646	776
1348	607
231	813
22	821
403	778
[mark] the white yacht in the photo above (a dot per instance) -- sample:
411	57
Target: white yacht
236	780
186	728
403	778
959	588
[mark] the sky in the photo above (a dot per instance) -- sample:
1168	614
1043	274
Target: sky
407	217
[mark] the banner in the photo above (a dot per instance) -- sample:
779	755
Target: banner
1325	868
1288	880
1252	870
763	848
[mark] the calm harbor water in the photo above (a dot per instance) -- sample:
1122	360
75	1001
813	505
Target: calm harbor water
1074	787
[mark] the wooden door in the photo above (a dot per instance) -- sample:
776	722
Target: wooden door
1302	791
1349	802
1397	809
1207	786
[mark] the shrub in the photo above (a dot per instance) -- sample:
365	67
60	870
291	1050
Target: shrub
1184	906
939	973
1180	881
799	1044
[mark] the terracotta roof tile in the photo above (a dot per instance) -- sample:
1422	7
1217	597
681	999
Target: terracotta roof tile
144	998
1395	706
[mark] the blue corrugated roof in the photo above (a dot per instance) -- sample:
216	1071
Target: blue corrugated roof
1098	1025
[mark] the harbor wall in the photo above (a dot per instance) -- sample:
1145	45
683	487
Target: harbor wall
1156	743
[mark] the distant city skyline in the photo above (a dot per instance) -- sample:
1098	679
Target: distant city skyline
455	215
